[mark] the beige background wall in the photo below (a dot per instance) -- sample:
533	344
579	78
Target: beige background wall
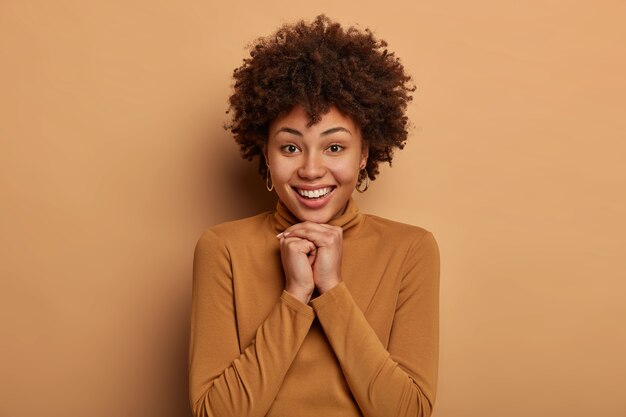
113	161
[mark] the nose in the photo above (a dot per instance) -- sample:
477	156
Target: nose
312	166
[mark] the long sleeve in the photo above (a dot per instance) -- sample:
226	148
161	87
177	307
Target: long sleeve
222	380
400	380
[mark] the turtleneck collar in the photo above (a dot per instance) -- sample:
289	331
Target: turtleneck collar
350	218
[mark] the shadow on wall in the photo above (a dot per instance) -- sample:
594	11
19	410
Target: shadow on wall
179	354
239	190
229	188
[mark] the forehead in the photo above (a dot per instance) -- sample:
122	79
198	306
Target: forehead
297	118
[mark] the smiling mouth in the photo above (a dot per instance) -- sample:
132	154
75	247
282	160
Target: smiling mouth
314	194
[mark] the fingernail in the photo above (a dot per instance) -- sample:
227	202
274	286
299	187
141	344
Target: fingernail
279	235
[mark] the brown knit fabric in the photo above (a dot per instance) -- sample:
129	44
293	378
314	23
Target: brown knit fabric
367	347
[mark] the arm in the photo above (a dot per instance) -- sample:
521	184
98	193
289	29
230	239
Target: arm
400	381
222	380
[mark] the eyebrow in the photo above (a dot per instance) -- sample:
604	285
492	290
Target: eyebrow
324	133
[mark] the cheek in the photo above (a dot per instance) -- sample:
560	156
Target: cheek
348	171
282	171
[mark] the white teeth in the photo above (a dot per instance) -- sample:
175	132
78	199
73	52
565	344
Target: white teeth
315	193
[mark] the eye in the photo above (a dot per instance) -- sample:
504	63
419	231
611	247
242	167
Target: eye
291	148
335	148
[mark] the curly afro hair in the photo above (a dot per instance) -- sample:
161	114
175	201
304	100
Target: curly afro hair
319	65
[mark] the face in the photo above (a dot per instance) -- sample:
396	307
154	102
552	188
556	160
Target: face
315	169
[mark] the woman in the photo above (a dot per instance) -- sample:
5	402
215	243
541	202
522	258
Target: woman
316	309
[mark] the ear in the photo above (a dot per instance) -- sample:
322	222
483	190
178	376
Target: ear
365	152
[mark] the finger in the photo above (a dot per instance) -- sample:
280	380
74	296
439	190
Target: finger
330	226
307	225
300	245
311	225
320	238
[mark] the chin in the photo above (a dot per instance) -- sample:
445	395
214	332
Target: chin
321	218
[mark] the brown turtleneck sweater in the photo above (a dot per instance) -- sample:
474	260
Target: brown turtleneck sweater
367	347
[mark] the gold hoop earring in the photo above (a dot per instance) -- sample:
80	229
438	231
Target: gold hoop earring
359	183
268	180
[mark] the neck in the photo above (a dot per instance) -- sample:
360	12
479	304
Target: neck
347	220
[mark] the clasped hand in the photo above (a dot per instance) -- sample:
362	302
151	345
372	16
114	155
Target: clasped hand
311	256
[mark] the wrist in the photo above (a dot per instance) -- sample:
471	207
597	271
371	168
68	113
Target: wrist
301	294
327	286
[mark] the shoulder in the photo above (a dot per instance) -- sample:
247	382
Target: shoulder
233	232
408	241
415	247
394	229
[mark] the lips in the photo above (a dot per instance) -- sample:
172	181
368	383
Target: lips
307	196
314	193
